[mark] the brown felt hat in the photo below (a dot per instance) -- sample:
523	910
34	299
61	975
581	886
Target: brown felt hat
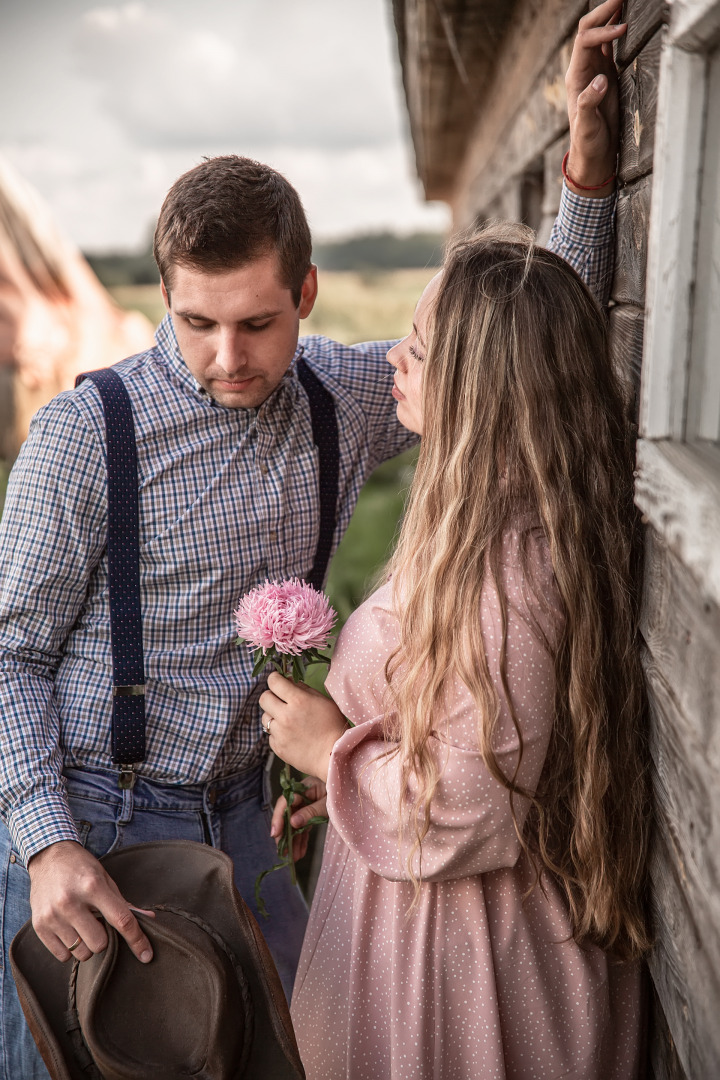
209	1004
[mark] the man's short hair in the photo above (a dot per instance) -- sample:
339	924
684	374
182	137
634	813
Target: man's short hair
228	211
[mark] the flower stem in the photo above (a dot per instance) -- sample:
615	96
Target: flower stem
287	777
288	827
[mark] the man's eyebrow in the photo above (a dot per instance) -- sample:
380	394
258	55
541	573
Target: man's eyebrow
257	317
417	335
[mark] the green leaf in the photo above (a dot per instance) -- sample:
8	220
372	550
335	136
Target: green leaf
260	662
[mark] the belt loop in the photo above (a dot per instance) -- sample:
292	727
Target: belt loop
128	805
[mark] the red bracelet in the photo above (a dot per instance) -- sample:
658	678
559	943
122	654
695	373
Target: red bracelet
584	187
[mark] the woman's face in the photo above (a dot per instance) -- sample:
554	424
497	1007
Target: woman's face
407	357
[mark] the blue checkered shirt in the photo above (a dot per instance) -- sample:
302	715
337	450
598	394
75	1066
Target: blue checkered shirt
228	497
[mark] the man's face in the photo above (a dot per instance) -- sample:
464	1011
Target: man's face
238	329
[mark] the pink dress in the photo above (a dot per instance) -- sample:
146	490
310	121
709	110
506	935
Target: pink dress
474	983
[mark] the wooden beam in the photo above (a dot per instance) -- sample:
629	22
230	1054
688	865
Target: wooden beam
626	343
633	216
538	124
671	243
638	108
643	17
528	47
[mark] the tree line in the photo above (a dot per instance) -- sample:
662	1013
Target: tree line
383	250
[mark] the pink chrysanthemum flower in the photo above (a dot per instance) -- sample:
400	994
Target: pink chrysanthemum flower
290	616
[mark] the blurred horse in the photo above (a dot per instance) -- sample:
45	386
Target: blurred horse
56	319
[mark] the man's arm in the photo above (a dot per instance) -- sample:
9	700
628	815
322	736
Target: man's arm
52	537
584	229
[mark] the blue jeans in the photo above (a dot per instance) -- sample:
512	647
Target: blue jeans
232	814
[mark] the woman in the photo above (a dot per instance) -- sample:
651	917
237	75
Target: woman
480	907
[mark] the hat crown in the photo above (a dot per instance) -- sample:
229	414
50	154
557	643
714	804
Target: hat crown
186	1013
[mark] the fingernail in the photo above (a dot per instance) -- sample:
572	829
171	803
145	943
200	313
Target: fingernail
598	82
146	956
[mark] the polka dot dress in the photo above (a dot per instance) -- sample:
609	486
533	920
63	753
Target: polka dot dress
475	982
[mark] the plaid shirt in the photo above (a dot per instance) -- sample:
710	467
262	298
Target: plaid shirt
228	497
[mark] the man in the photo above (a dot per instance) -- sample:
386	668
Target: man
228	495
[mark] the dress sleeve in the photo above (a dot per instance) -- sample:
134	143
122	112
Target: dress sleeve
471	829
584	235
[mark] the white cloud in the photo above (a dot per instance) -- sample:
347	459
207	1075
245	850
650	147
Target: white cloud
265	79
102	107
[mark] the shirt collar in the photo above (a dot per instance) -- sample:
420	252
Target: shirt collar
169	349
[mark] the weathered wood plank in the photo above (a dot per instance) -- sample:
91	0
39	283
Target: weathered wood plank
695	23
539	123
664	1061
683	970
703	399
638	109
552	187
643	17
531	42
682	633
633	217
685	787
626	345
679	493
671	243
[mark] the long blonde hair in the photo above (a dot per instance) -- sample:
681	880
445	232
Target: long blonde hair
522	412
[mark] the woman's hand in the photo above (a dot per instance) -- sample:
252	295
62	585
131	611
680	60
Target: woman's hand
316	793
303	725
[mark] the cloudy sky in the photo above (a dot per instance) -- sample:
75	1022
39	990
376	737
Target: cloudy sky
103	105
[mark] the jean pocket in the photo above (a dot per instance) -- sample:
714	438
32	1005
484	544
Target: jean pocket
97	825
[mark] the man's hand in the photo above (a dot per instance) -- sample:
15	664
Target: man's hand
68	889
592	96
316	792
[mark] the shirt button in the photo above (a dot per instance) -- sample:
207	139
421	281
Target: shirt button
13	859
263	468
273	536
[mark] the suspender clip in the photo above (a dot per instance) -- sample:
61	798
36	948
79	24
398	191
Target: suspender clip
127	777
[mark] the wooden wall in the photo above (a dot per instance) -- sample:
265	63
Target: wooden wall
681	627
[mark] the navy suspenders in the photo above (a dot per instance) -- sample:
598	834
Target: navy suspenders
325	437
123	545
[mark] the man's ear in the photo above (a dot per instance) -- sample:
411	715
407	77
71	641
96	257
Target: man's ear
308	294
165	294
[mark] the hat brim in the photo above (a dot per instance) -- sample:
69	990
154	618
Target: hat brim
178	873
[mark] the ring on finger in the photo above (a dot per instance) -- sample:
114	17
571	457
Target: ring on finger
76	942
266	724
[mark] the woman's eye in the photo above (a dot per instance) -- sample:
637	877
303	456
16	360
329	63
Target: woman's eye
416	355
